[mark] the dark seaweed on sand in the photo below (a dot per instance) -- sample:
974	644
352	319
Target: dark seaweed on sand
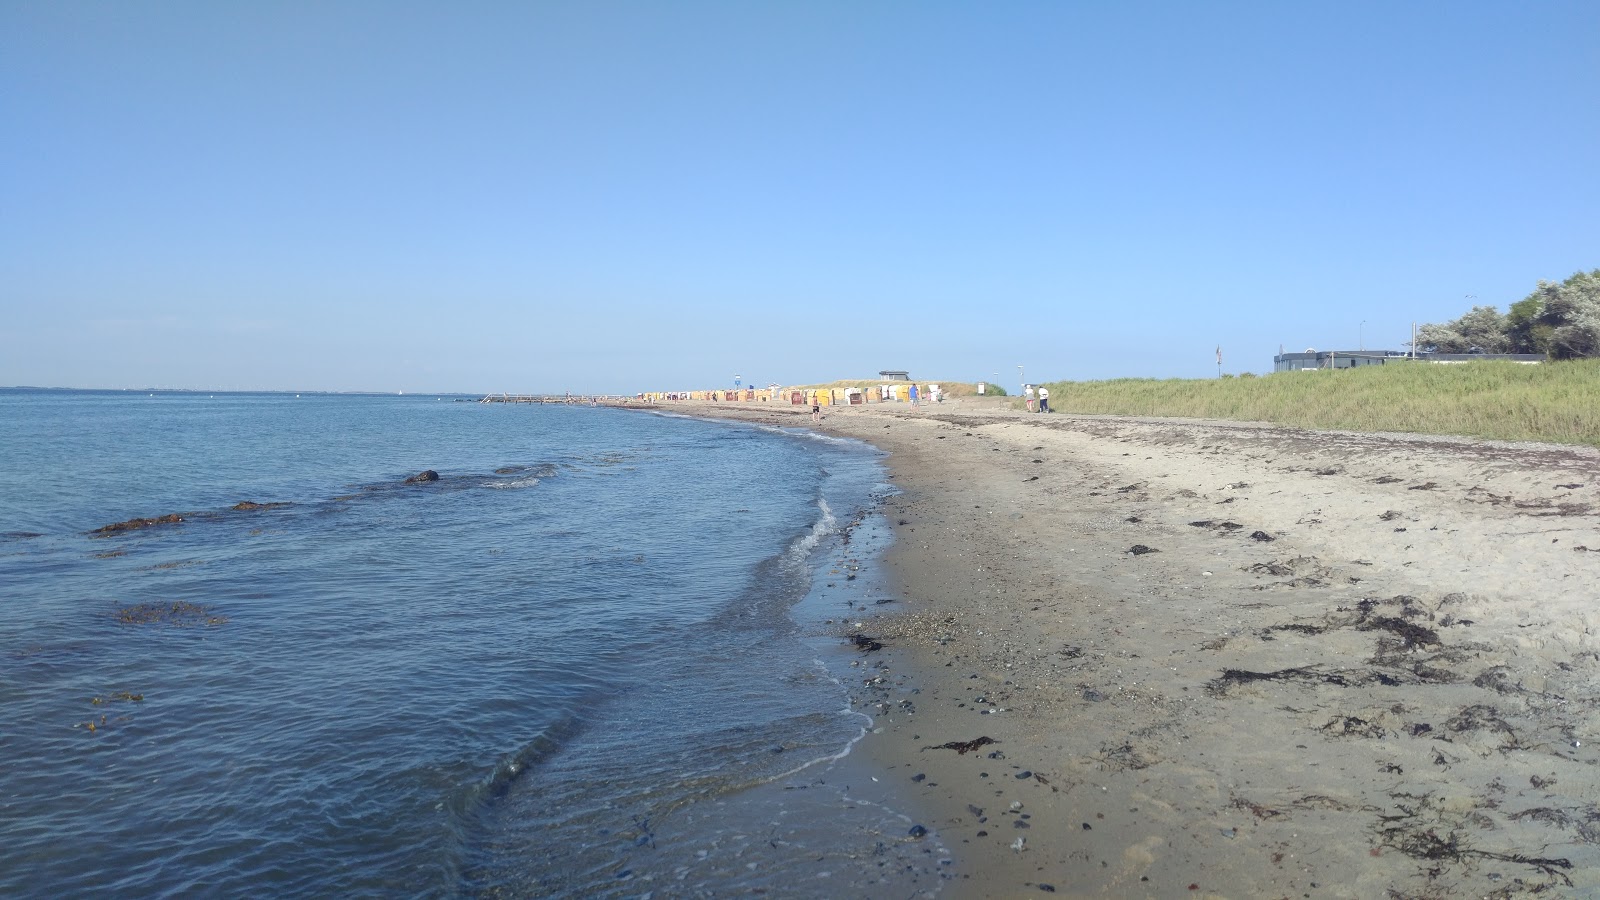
964	747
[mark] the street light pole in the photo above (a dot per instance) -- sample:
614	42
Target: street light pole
1361	335
1020	383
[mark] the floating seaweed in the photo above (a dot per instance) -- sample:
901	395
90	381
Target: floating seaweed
136	524
124	696
178	614
171	564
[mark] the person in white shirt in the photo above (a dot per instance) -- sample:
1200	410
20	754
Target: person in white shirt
1027	393
1044	399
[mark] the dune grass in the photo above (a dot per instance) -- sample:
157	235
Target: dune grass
1557	402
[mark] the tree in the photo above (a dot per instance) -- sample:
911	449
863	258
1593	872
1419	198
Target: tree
1527	331
1483	330
1561	320
1571	309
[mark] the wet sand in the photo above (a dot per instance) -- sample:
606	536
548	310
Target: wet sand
1175	658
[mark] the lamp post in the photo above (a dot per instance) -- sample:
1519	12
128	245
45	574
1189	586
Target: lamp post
1361	335
1021	385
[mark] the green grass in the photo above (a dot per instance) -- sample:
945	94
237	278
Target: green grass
1557	402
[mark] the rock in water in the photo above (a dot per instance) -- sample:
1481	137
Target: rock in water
426	475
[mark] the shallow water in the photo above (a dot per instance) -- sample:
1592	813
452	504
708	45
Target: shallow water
585	661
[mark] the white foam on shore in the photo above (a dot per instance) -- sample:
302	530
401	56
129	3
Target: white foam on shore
810	435
844	751
826	524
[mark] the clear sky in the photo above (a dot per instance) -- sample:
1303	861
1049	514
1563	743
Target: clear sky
613	196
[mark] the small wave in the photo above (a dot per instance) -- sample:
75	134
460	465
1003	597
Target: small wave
862	731
825	525
512	483
517	763
826	438
542	470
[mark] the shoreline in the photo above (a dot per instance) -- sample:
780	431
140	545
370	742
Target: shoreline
1343	664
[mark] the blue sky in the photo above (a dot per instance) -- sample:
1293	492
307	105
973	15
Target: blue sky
607	196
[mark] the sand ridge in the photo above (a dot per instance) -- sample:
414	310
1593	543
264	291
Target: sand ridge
1227	659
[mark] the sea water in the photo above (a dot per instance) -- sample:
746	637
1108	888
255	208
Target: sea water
599	656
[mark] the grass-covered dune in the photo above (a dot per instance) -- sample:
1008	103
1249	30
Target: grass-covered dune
1557	401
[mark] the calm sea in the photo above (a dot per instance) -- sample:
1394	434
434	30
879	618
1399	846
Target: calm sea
594	658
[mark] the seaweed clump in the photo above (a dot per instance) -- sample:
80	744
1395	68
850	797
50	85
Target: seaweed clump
136	524
178	614
965	747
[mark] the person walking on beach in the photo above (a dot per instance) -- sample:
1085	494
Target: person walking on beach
816	410
1027	393
1044	399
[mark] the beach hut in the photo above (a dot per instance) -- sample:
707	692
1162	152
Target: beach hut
854	397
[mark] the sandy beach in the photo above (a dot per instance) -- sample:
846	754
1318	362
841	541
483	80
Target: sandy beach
1176	658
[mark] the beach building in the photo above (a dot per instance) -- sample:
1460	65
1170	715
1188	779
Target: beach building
889	375
1349	359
